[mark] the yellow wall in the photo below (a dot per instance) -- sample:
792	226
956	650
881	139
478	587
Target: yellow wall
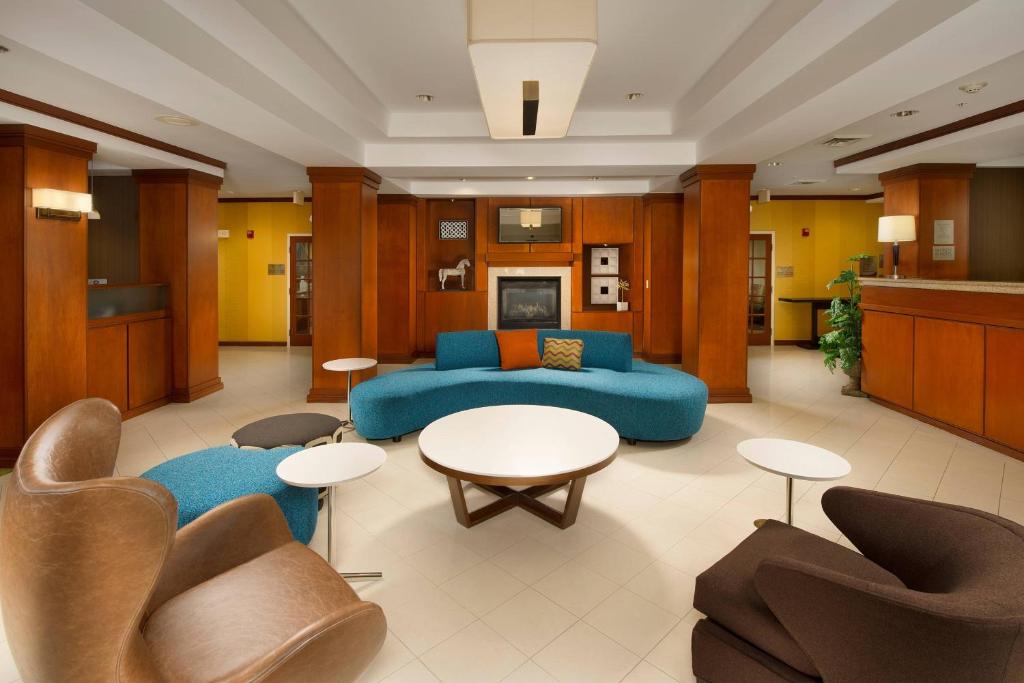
253	304
839	229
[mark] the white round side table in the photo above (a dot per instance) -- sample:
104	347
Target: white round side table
793	460
349	365
329	465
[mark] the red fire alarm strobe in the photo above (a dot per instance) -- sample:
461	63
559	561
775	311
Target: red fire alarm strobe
249	234
804	232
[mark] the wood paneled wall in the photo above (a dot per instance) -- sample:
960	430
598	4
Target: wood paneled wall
951	358
716	229
345	253
931	192
114	238
997	224
178	245
396	278
43	266
662	284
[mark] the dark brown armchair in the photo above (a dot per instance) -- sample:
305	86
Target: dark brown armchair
97	584
938	595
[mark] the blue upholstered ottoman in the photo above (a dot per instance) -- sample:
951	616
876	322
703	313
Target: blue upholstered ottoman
202	480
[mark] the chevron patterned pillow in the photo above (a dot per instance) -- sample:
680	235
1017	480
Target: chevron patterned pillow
563	354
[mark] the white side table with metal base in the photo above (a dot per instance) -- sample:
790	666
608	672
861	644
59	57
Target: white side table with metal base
349	365
329	465
793	460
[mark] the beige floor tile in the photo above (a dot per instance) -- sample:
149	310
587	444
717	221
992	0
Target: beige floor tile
646	672
665	586
413	672
576	588
443	561
585	655
482	587
476	654
630	620
392	657
672	654
529	621
529	560
428	620
615	560
529	673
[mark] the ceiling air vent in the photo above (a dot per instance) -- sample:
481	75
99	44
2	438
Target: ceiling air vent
806	181
843	140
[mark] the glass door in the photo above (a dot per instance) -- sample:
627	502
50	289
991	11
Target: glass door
300	290
759	290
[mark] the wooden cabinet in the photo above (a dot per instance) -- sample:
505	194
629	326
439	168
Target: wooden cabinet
451	311
1004	386
949	372
887	362
608	220
608	321
128	359
396	278
149	362
106	361
662	282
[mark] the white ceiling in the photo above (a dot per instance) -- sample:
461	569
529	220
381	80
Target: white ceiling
278	85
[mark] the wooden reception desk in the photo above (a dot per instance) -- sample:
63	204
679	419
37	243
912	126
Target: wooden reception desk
950	353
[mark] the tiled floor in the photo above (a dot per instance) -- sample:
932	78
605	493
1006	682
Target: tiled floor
515	599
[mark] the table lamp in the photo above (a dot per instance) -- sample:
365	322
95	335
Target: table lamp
896	229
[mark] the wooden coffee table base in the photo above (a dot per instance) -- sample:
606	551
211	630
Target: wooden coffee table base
509	498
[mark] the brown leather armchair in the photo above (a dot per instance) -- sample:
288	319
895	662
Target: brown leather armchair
938	595
97	585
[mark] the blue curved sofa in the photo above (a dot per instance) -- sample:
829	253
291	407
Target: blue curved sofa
641	400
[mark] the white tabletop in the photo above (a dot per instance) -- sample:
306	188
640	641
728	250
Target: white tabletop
794	459
518	441
330	464
349	364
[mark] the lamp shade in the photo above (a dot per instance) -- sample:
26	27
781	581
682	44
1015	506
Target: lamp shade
896	229
62	200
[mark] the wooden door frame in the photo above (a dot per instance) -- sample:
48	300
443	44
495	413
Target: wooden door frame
771	343
288	284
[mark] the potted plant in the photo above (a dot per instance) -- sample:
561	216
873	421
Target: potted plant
842	344
621	305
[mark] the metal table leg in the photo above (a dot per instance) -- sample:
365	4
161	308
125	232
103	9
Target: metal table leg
330	542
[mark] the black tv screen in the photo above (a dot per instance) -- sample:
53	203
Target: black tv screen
519	225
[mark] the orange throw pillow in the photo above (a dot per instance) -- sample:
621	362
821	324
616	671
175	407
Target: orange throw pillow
518	349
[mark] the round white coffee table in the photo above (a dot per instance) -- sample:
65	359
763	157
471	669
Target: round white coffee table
539	448
349	365
793	460
329	465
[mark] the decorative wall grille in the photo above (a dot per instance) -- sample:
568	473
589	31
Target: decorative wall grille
453	229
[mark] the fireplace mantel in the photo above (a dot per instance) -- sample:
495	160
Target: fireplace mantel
564	273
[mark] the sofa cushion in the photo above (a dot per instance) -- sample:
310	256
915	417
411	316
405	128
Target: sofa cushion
726	593
472	349
608	350
518	349
563	354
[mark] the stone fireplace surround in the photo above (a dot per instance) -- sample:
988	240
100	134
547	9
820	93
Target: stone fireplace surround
564	274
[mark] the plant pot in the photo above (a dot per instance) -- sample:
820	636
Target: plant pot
852	387
622	306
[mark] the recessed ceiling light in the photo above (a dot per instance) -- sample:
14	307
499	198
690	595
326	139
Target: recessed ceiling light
973	88
423	97
529	177
176	120
633	96
773	164
903	113
854	189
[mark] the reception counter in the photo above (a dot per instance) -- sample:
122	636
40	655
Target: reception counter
950	353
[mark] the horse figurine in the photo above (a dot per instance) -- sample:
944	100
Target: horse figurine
460	270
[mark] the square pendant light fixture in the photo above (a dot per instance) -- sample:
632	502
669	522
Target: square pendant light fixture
531	58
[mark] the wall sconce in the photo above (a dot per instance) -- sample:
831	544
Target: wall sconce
60	204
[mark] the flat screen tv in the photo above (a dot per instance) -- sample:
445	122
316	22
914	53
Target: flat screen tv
519	225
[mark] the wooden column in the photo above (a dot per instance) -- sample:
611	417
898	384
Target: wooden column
43	267
344	274
930	192
716	229
178	245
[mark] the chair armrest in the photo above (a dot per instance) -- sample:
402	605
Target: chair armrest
228	535
856	630
909	537
339	647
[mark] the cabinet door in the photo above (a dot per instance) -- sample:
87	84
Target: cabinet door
663	281
608	220
887	362
607	321
149	361
106	362
949	372
1004	380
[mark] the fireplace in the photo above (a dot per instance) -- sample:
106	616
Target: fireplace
528	302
